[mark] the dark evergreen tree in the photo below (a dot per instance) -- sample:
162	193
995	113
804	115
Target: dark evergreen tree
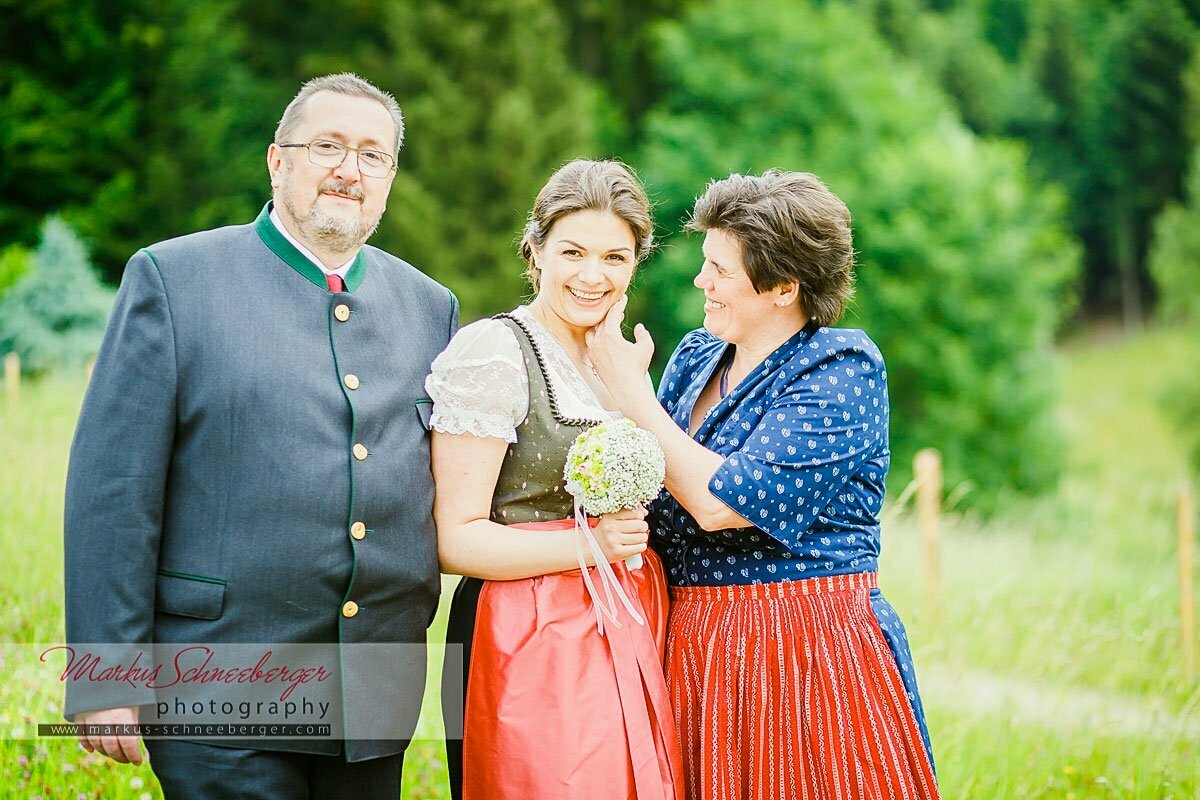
1139	120
493	107
610	42
67	106
130	117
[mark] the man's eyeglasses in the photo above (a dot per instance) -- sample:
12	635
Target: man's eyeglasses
324	153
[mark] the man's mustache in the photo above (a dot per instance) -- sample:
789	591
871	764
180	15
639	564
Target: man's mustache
343	188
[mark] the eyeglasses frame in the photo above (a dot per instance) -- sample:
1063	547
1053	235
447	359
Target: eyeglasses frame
356	150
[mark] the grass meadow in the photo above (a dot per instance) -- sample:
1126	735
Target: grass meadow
1052	668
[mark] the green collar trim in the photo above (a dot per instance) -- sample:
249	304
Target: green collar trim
287	251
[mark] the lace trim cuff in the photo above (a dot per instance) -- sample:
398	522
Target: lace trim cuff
482	426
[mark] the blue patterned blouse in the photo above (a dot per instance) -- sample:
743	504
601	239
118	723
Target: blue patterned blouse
805	436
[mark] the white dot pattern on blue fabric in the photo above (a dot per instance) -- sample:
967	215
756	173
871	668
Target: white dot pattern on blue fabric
805	437
805	440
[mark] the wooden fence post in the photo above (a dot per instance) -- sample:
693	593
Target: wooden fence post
12	378
927	466
1186	531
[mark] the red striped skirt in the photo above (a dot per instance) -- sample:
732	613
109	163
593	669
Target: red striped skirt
789	690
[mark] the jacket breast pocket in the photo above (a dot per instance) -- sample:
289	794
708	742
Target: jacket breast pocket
424	412
189	595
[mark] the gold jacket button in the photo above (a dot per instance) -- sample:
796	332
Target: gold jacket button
360	452
351	381
341	312
350	609
358	530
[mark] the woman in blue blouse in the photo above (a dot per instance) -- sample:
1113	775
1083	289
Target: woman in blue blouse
790	674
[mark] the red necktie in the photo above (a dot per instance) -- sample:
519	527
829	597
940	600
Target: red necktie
335	282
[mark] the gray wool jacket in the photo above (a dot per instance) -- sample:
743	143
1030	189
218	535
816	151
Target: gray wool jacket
251	464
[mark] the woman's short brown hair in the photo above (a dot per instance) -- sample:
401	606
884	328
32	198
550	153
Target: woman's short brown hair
792	229
586	185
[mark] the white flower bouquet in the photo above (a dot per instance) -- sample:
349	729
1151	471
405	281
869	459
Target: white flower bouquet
612	466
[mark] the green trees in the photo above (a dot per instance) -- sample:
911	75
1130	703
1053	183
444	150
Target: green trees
55	315
492	108
964	260
66	106
1094	89
131	118
1141	108
964	134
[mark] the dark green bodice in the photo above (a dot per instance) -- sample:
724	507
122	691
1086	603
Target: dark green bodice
530	487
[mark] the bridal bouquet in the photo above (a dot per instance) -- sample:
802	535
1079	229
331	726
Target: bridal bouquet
613	466
610	467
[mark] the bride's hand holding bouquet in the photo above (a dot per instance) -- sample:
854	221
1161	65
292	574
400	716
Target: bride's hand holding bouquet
623	534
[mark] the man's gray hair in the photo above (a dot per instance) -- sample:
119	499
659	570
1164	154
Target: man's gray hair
342	83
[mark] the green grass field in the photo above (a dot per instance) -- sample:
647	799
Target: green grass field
1053	669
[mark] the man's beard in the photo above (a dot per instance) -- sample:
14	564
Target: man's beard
339	234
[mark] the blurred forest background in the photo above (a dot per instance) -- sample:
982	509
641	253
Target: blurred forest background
1025	180
1013	166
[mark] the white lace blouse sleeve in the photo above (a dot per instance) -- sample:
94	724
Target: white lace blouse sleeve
479	384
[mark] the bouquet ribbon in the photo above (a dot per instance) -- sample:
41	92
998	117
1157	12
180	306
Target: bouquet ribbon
613	591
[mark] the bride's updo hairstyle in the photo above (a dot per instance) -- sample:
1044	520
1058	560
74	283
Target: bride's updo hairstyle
586	185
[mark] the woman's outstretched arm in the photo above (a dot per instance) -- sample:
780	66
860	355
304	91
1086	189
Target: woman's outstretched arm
622	365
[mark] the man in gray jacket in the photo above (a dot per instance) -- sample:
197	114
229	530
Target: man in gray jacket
252	457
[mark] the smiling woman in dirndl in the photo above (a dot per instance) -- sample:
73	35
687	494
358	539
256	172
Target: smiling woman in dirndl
561	702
